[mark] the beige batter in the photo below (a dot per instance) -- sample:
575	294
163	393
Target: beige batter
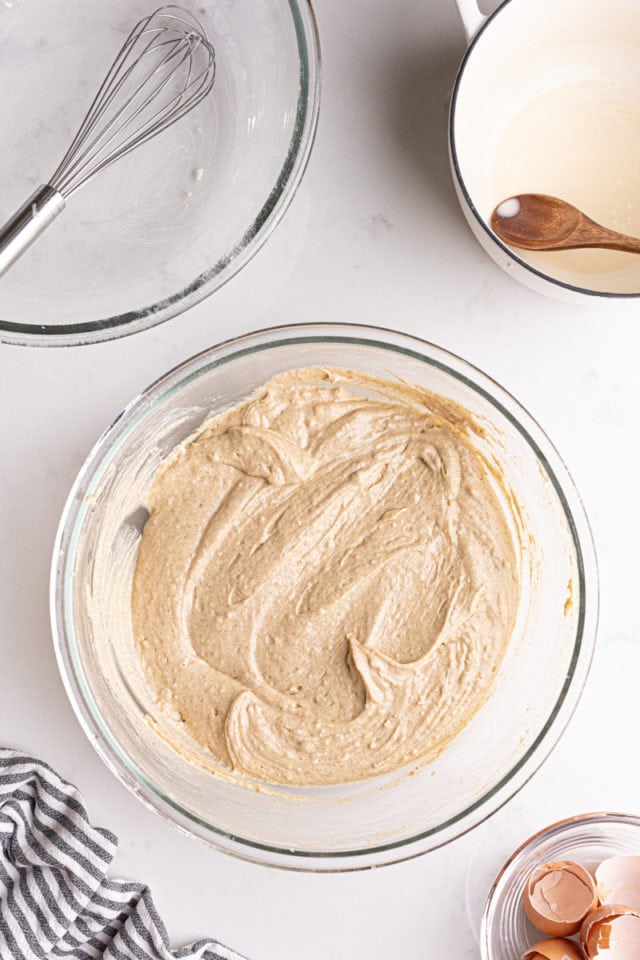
327	582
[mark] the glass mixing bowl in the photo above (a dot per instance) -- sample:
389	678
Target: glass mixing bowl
169	224
588	840
353	825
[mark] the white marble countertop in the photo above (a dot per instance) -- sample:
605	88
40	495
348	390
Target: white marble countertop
374	236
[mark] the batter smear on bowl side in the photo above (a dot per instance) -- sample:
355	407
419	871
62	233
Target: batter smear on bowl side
328	579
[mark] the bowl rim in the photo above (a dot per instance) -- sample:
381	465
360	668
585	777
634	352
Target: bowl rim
295	163
554	829
88	712
511	252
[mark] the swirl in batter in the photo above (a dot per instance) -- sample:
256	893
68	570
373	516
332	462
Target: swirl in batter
328	579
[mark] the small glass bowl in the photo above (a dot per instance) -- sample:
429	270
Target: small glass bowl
588	839
347	826
166	226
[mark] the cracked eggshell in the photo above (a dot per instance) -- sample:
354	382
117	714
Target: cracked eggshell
556	949
557	897
618	881
612	932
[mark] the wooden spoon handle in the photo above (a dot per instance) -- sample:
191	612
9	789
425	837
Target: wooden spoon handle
588	233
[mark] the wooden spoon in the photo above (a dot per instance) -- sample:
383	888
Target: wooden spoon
535	221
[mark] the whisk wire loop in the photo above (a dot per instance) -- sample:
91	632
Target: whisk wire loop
164	68
151	84
120	121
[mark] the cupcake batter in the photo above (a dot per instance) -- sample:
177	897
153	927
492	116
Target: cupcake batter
328	579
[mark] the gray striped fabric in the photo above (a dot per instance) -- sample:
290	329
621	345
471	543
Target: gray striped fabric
55	897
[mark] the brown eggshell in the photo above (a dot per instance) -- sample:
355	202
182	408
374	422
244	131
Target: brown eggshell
556	949
618	881
551	925
593	922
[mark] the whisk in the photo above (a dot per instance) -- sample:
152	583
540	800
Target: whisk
164	68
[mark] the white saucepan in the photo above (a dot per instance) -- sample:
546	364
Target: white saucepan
547	100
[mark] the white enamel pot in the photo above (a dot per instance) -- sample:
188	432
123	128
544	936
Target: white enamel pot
552	56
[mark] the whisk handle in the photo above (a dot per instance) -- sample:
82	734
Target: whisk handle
28	223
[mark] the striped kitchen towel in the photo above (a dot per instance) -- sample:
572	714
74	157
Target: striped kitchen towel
55	897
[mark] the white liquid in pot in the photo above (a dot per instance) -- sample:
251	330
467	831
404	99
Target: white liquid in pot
580	142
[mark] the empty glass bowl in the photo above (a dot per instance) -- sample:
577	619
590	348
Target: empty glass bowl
353	825
169	224
588	840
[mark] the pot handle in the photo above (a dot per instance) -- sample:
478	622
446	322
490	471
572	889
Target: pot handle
472	16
